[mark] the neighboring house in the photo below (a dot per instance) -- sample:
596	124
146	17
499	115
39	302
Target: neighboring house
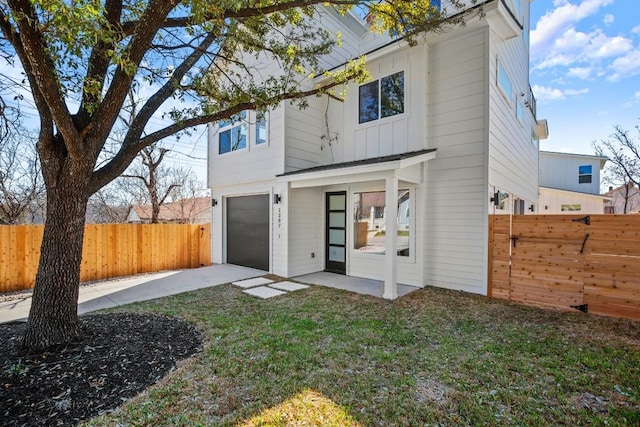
570	183
186	211
443	128
623	200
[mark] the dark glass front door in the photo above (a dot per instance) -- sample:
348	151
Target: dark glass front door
336	232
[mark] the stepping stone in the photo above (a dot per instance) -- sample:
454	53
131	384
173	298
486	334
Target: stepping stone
250	283
264	292
288	286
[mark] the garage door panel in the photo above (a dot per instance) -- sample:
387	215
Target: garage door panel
248	231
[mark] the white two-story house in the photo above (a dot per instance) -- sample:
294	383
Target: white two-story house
395	183
570	183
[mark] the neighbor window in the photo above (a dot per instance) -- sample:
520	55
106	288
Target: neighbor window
369	222
381	98
504	83
571	208
584	174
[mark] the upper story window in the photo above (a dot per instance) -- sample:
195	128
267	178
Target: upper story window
261	128
585	174
519	111
236	133
381	98
504	82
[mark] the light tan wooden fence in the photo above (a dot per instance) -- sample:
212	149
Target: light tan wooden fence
110	250
569	261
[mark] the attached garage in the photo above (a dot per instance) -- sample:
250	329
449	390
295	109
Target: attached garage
248	231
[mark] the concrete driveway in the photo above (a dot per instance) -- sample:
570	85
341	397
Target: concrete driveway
119	291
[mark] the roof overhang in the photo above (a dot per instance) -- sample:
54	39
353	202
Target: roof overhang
502	20
405	167
542	129
576	193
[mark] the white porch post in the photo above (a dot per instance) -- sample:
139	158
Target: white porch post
391	240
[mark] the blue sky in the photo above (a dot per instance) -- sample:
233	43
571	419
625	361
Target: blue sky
585	69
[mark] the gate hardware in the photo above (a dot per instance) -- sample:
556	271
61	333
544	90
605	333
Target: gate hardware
514	239
582	307
584	242
584	220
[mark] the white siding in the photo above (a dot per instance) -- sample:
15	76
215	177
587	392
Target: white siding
255	163
391	135
551	202
560	170
513	158
303	134
456	179
306	231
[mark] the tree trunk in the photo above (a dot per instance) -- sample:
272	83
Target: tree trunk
53	319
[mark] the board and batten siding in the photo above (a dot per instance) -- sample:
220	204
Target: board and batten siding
513	157
456	182
391	135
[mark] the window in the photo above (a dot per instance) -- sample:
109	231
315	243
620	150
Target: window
519	111
381	98
584	174
261	128
571	208
504	83
535	141
236	133
233	134
369	222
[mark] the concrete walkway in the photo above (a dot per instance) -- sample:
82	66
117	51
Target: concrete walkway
121	291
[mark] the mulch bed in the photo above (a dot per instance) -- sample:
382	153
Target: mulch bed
120	355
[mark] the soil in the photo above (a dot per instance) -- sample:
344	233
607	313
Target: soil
119	356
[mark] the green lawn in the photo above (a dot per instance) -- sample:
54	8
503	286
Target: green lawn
435	357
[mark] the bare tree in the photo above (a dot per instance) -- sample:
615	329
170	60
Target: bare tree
21	184
152	181
622	149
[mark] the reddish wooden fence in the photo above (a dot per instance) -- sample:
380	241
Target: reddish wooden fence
110	250
585	262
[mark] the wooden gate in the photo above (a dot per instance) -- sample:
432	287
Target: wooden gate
590	263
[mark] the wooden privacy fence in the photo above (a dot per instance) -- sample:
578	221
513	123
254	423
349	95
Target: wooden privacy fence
110	250
590	263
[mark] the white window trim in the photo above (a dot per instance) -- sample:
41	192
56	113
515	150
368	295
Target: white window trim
250	121
507	97
411	259
384	119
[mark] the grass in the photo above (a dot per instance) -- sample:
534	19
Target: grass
435	357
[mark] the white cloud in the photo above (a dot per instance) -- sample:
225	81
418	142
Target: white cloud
625	66
609	19
583	73
557	21
636	29
548	94
579	47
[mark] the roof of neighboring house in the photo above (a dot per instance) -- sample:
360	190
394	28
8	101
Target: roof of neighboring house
602	159
180	210
633	190
605	196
